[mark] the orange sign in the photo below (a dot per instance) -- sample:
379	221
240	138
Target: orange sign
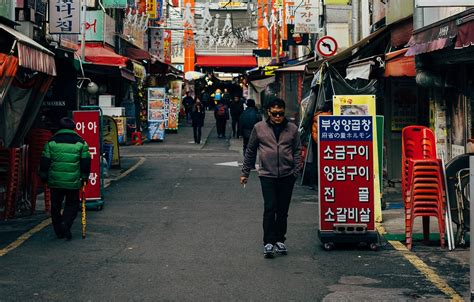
188	43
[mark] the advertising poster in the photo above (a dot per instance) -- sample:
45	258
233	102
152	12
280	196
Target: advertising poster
158	109
121	129
174	96
156	131
110	136
88	127
363	105
346	172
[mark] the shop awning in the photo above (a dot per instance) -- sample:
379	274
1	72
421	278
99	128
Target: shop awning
31	54
433	37
226	61
97	53
399	65
260	85
295	68
465	35
138	54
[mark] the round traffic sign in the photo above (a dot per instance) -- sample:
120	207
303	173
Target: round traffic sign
326	46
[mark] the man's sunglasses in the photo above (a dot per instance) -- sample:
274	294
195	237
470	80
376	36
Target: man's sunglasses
277	113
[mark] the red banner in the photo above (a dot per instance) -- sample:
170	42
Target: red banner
88	127
167	46
346	172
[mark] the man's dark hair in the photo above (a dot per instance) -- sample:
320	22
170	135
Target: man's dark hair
250	103
67	123
276	103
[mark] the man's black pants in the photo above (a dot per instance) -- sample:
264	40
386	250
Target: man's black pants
197	134
70	209
220	125
235	126
277	196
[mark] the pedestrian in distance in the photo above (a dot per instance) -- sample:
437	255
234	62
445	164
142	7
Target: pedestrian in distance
236	109
226	97
247	120
221	114
278	144
198	115
188	103
65	167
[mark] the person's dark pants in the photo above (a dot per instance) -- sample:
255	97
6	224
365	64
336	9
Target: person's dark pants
277	196
70	208
220	125
197	134
188	116
235	126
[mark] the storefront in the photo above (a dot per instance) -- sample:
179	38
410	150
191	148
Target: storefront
445	60
26	72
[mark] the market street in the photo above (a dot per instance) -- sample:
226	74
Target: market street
181	228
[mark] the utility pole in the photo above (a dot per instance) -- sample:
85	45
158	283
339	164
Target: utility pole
83	30
277	37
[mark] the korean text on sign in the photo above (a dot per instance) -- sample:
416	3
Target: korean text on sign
346	170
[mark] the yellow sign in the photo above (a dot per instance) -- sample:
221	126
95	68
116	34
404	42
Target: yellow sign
270	70
151	9
363	105
230	4
336	2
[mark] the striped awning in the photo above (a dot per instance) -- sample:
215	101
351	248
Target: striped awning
31	54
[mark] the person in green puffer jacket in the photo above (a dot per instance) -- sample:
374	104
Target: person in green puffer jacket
65	167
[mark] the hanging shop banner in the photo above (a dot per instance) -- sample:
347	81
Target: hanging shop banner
174	97
157	113
307	17
114	3
64	17
157	43
363	105
94	25
188	37
346	172
167	46
154	9
88	127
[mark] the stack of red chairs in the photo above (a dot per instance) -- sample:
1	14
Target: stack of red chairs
9	181
422	182
36	139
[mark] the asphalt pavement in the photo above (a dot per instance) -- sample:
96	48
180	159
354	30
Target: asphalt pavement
177	226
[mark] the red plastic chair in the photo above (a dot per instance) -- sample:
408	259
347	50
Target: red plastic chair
422	185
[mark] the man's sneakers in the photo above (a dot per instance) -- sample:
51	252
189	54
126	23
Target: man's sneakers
280	248
268	251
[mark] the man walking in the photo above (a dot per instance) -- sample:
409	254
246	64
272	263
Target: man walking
65	167
221	114
278	144
236	108
188	103
247	120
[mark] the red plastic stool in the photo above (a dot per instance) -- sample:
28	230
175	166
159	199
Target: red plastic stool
136	138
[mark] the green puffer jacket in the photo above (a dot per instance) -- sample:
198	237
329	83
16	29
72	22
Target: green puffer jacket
65	162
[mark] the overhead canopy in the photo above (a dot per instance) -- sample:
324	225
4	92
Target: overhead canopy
465	35
138	54
349	52
295	68
226	61
399	65
99	54
31	54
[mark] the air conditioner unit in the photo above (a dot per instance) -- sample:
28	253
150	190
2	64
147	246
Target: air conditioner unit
107	100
